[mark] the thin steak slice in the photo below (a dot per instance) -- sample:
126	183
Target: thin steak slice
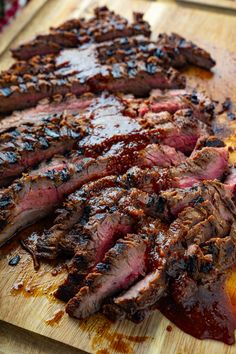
105	25
206	164
47	108
189	51
171	202
26	146
122	265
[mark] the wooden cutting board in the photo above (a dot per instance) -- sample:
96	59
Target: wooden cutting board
217	4
26	298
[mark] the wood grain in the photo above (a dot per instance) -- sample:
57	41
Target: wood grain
218	4
33	306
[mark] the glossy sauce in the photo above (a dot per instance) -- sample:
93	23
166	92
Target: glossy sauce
209	314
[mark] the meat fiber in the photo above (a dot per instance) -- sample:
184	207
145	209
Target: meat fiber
122	265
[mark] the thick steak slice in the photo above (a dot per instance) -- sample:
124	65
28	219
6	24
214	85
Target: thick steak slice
122	265
105	25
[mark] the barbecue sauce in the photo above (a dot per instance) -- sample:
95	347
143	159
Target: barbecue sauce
206	315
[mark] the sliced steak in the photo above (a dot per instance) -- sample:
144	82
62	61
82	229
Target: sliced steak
187	50
105	25
91	242
32	197
78	71
122	266
101	126
173	201
99	193
45	110
194	170
54	182
178	250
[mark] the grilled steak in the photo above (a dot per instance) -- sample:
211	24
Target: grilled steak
188	52
149	213
188	246
115	200
130	64
148	180
100	125
173	201
79	71
57	179
122	266
105	25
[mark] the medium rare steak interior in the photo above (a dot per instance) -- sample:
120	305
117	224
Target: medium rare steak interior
140	191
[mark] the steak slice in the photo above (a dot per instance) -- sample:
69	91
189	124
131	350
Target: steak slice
33	196
194	170
174	100
187	50
78	71
27	145
197	228
122	265
45	110
53	182
92	242
105	25
171	202
143	294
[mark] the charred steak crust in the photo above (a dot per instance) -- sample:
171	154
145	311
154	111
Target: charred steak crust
104	53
